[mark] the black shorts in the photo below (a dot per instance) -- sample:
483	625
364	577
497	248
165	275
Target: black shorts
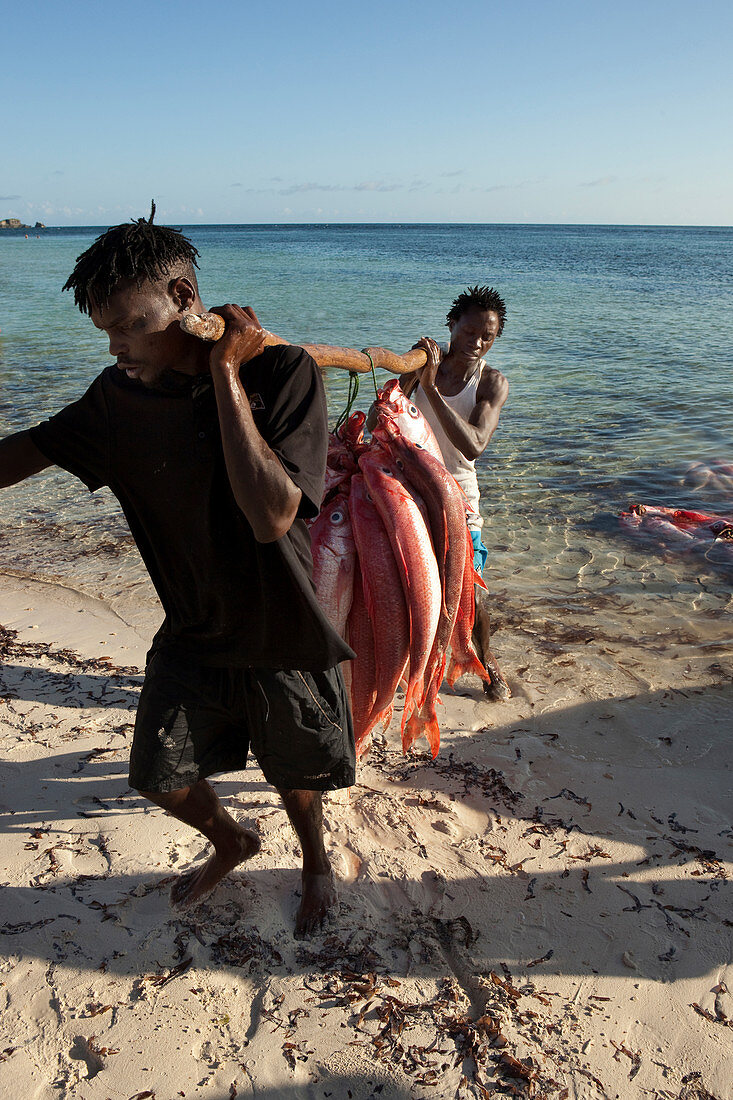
194	720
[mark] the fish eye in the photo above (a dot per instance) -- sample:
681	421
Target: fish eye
413	411
337	516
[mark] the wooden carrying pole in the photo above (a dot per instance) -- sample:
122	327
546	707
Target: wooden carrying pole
210	326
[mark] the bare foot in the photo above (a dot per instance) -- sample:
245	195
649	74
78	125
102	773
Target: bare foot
498	690
194	886
319	897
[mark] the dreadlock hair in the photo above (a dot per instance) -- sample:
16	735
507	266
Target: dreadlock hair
478	297
137	251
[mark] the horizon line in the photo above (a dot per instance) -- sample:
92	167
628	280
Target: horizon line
397	223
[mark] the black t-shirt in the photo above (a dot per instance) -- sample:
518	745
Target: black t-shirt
228	599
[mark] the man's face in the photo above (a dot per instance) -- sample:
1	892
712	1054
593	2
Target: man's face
472	335
143	331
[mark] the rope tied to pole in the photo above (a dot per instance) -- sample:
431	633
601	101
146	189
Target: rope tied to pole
374	377
350	400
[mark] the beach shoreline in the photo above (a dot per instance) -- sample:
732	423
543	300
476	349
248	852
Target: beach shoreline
546	907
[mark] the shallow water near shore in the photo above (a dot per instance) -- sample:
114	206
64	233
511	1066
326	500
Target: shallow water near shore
618	351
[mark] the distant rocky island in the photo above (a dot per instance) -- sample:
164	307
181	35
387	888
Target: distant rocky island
16	223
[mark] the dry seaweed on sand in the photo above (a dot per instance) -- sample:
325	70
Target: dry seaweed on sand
633	1056
714	1018
543	958
572	796
244	947
707	857
159	980
11	647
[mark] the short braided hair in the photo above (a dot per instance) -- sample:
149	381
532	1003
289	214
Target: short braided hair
478	297
138	252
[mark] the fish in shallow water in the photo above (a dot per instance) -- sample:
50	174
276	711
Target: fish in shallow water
717	474
682	529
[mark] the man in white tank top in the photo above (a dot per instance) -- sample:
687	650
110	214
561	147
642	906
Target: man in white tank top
461	397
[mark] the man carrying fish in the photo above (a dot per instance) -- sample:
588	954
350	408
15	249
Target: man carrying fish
216	454
461	397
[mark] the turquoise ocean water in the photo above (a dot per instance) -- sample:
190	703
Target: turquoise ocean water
618	348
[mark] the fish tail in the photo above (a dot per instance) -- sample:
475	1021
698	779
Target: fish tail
411	732
431	729
363	743
364	735
422	724
470	663
433	679
410	715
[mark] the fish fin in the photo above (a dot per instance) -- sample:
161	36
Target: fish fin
433	678
422	724
384	716
410	713
456	669
402	565
363	744
411	732
431	729
345	589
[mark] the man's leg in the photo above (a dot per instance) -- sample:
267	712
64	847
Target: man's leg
199	806
305	810
498	689
303	738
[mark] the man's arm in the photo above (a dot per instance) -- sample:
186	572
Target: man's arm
19	459
471	437
266	495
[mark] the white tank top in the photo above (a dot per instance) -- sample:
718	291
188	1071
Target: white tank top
462	468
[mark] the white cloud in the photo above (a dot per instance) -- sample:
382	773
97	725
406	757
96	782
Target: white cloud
602	181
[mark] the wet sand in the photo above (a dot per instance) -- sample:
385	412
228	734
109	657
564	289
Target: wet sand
542	911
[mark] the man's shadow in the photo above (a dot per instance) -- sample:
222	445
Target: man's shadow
125	919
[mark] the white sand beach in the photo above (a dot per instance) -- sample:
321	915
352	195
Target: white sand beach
543	911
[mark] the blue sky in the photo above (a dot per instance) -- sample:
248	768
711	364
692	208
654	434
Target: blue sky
521	111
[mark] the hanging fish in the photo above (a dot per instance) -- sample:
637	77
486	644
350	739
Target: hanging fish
360	636
334	560
392	402
463	658
384	598
351	433
415	558
447	519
